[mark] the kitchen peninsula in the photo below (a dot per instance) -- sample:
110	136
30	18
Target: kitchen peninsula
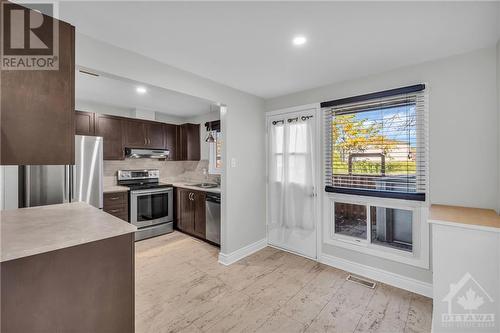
66	263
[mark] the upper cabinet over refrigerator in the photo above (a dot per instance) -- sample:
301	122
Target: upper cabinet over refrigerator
37	101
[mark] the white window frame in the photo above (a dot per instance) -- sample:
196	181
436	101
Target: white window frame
419	257
212	155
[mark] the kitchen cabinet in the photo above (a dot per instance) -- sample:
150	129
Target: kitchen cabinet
143	134
134	134
182	141
155	135
76	275
116	204
37	109
191	217
189	142
465	259
84	123
171	140
110	128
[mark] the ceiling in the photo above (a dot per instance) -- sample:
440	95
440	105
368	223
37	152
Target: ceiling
247	45
110	90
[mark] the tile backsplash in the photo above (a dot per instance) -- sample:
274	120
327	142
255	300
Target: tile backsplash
170	171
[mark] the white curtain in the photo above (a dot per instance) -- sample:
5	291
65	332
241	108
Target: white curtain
291	175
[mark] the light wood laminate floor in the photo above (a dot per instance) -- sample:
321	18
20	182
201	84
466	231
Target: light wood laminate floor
180	287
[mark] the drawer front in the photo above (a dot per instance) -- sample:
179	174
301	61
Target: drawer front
118	211
115	199
116	204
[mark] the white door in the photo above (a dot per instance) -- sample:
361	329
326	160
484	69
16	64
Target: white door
291	181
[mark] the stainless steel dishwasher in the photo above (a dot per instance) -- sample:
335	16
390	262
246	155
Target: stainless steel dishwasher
212	208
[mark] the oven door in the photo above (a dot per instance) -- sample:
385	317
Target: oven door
151	206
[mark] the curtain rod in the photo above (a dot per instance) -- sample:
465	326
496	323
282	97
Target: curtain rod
380	94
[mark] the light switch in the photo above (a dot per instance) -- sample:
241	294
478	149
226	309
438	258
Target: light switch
233	162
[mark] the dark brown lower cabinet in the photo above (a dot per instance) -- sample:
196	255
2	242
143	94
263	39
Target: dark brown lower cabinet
84	288
116	204
191	212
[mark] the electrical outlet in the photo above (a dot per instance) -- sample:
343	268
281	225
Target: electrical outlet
233	162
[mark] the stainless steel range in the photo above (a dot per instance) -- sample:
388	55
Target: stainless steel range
150	202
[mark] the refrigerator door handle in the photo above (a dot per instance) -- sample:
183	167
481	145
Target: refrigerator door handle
66	184
72	183
27	186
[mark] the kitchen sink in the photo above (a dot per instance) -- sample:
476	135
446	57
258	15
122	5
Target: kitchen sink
206	185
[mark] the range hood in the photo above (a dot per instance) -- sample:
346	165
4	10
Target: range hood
146	153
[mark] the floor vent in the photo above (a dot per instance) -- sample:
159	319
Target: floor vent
361	281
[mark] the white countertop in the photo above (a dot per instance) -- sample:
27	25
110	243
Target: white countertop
35	230
196	188
115	188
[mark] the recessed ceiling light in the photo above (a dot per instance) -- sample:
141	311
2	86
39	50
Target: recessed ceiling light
140	90
299	40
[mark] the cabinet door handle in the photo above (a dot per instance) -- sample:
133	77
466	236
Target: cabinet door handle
114	210
114	198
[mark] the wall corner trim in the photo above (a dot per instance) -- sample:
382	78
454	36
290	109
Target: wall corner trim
396	280
231	258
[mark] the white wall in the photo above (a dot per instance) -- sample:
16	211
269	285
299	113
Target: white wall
166	118
244	185
498	106
90	106
463	128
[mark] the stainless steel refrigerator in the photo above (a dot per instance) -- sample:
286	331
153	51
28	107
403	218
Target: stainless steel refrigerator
41	185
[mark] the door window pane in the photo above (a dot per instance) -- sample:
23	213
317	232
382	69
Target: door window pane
392	227
150	207
350	220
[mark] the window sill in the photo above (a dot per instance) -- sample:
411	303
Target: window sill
404	257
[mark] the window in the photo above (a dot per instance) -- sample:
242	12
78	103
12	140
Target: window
376	175
377	144
215	154
390	227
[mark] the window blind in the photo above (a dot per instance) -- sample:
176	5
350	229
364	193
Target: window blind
376	144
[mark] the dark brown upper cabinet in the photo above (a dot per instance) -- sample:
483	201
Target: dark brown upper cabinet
188	142
134	134
84	123
37	109
111	129
171	140
143	134
155	135
182	141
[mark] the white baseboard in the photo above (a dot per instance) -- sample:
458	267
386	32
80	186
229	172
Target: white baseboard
231	258
376	274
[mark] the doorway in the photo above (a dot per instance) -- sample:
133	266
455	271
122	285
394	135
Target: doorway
291	185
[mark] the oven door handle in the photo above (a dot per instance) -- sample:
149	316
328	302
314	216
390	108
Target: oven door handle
149	191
